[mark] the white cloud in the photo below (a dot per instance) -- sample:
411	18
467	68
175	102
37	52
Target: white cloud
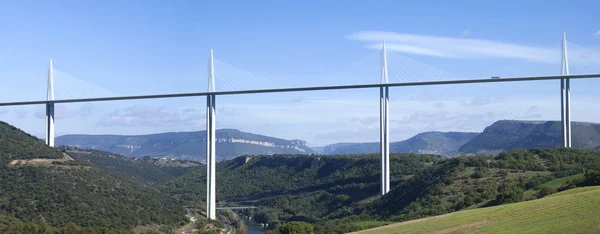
414	49
455	47
597	34
151	116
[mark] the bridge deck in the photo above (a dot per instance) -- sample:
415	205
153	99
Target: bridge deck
300	89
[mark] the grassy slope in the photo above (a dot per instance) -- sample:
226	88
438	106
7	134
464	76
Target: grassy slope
573	210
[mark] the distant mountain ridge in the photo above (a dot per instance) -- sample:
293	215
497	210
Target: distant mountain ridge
510	134
501	135
186	145
423	143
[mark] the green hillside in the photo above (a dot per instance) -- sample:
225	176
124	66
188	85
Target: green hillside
302	187
15	226
332	194
339	194
573	211
16	144
145	170
477	181
61	193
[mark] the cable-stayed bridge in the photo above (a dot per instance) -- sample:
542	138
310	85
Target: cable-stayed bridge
380	70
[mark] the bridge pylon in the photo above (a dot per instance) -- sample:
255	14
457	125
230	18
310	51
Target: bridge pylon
50	108
211	143
565	95
384	128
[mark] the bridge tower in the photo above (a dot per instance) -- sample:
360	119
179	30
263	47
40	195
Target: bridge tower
384	127
565	95
50	108
210	143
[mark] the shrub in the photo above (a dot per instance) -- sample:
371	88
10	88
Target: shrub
545	192
508	192
480	172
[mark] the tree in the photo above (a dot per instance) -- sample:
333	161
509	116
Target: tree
297	228
509	192
480	172
591	178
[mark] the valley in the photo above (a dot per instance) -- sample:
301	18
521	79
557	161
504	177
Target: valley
324	193
299	117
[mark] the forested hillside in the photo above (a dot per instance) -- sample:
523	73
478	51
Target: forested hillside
61	193
338	193
16	144
15	226
331	194
463	182
145	170
320	186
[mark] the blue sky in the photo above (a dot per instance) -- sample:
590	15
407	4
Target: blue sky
147	47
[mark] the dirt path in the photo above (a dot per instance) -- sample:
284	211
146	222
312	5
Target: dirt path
40	161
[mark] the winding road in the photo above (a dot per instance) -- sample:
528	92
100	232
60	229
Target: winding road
193	219
226	222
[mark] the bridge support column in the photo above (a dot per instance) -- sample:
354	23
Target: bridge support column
211	144
50	124
384	126
50	108
565	96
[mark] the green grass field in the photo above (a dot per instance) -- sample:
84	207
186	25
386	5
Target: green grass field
572	211
560	181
